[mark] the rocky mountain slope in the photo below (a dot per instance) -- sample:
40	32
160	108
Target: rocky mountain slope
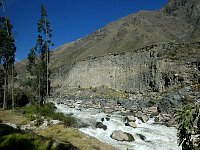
175	22
147	51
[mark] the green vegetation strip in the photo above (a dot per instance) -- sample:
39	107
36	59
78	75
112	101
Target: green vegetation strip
47	111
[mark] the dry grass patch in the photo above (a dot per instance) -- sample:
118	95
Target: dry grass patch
8	116
75	137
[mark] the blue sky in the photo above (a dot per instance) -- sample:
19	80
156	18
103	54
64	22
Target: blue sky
69	19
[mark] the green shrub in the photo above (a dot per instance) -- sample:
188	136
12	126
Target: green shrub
17	142
48	111
32	118
67	119
48	121
51	106
30	110
39	120
188	119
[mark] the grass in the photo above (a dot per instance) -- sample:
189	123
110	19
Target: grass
14	141
12	117
42	138
22	141
47	111
11	138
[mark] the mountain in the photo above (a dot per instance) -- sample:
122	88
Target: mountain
189	12
146	51
187	9
173	23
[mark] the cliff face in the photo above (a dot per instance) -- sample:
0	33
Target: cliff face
145	70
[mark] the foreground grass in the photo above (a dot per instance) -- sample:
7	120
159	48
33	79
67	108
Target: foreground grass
15	139
20	141
45	138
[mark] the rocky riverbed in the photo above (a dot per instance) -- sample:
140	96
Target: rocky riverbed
123	125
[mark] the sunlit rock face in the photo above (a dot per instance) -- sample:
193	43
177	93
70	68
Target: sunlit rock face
150	69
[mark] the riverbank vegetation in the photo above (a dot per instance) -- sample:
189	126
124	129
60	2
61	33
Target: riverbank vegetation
11	138
53	137
188	118
46	111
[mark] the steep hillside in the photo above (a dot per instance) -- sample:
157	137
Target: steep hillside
175	22
189	11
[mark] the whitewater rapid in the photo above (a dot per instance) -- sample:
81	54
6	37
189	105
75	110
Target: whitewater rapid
158	137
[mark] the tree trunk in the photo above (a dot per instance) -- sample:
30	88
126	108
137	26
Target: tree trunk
13	101
42	99
47	72
47	55
39	95
5	92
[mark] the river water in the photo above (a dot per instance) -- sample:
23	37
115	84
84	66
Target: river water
158	137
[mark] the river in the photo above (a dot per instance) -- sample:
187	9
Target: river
158	137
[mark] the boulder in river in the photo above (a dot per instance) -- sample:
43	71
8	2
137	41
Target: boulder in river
132	124
162	118
122	136
109	111
107	118
143	117
101	126
158	118
141	136
153	114
130	119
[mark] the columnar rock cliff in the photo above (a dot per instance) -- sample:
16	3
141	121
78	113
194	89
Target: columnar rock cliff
145	70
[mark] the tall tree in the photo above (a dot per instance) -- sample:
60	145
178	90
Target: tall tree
39	56
7	53
188	119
